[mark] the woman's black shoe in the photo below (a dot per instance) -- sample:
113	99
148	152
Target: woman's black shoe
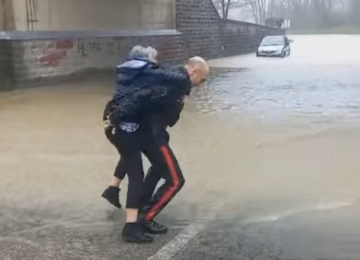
111	194
134	233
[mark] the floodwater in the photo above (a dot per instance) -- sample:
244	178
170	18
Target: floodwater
269	148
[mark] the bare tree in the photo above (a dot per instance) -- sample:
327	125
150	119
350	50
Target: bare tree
224	6
310	14
304	14
259	9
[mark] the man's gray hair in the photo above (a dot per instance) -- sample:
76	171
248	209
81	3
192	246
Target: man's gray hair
145	53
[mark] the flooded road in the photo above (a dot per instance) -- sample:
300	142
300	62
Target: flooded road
269	149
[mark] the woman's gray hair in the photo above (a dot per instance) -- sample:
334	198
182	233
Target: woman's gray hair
145	53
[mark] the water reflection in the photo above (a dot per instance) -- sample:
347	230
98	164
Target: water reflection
320	94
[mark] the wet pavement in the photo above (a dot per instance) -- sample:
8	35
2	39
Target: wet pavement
269	149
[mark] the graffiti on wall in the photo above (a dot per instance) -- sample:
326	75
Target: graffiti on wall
68	56
86	48
103	47
53	53
56	53
50	53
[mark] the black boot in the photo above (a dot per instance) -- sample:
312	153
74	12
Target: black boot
111	194
134	233
153	227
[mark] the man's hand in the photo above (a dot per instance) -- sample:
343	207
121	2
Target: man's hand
106	123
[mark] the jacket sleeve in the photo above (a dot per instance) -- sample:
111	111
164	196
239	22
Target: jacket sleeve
177	83
179	80
144	99
171	113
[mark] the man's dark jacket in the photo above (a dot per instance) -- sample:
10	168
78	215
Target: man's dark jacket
146	94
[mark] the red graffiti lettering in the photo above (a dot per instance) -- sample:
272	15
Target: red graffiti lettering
53	58
64	44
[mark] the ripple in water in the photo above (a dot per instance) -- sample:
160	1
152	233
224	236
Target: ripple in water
321	95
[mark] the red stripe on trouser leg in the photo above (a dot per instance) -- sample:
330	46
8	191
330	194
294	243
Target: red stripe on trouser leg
173	188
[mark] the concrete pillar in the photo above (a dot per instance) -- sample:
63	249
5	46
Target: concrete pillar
7	23
159	14
7	20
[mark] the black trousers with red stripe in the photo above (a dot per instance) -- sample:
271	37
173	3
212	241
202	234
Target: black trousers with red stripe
164	166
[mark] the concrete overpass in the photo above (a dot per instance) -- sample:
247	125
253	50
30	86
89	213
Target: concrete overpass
38	15
44	40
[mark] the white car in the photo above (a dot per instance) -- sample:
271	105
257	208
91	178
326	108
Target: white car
274	46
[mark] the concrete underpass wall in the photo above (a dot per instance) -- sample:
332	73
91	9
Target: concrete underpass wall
76	15
47	56
200	25
6	65
42	58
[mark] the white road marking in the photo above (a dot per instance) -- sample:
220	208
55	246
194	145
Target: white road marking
179	242
320	207
183	238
